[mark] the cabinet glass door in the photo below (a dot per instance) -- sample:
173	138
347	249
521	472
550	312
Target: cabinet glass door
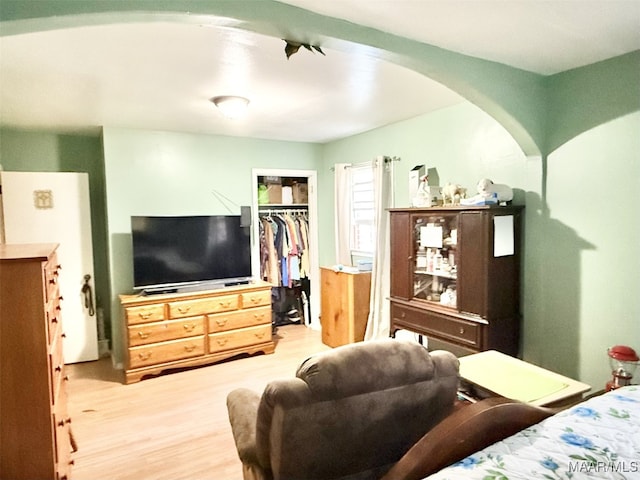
435	239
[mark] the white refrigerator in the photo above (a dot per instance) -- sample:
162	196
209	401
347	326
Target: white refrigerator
53	207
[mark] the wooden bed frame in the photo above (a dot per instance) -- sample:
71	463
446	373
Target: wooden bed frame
467	430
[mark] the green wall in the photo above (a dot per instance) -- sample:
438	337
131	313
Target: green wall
589	247
48	152
581	256
583	98
163	173
461	142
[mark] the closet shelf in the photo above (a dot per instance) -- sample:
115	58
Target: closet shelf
283	205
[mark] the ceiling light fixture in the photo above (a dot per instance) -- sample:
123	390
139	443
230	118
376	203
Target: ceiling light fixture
231	106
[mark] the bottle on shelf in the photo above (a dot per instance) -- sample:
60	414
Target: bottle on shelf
437	261
421	259
429	260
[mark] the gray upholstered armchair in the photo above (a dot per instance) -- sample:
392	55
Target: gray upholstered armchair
350	413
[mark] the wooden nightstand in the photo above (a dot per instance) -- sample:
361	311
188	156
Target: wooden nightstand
492	373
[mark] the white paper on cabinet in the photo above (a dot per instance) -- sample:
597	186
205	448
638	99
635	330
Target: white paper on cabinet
503	243
431	236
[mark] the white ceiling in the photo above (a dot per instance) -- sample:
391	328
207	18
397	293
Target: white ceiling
160	76
541	36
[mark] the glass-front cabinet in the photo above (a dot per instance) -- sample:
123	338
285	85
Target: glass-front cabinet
455	275
435	251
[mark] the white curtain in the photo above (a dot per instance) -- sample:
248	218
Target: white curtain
343	212
378	324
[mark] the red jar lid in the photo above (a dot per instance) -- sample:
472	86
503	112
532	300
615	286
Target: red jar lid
623	353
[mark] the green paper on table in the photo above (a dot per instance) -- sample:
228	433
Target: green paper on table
509	377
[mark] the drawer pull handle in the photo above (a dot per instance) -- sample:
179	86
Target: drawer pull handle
143	335
52	281
259	334
66	378
144	355
221	322
402	315
461	330
59	368
54	320
255	299
189	327
222	341
225	304
184	309
144	315
258	316
63	422
189	348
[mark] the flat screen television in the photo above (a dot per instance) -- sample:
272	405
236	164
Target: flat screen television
186	252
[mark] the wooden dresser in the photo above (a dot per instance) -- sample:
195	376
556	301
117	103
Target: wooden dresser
35	439
168	331
344	306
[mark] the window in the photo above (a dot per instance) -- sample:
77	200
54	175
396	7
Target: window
363	237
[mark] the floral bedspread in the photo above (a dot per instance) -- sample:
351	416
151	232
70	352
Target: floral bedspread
598	438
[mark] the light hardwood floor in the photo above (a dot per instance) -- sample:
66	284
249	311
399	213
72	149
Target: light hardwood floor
174	426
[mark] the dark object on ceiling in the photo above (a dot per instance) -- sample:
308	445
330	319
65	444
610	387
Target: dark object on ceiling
292	47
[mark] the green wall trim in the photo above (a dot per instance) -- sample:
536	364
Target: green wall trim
583	98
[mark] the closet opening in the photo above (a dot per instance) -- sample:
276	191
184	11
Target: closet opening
285	251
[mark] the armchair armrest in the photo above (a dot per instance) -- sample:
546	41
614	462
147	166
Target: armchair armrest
464	432
242	405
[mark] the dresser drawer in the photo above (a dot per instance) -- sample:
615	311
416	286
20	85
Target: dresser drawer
155	332
256	299
53	314
189	308
144	313
244	337
165	352
56	360
221	322
439	325
51	275
62	439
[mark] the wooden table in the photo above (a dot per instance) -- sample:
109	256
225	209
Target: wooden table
492	373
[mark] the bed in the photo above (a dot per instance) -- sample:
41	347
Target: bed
596	439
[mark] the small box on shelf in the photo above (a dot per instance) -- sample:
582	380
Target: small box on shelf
300	193
274	193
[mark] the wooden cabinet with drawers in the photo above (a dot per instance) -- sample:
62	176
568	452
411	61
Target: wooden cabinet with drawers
168	331
35	438
455	275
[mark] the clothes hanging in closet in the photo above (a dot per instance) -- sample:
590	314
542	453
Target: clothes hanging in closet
284	247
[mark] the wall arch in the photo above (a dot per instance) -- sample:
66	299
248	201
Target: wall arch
513	97
541	113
